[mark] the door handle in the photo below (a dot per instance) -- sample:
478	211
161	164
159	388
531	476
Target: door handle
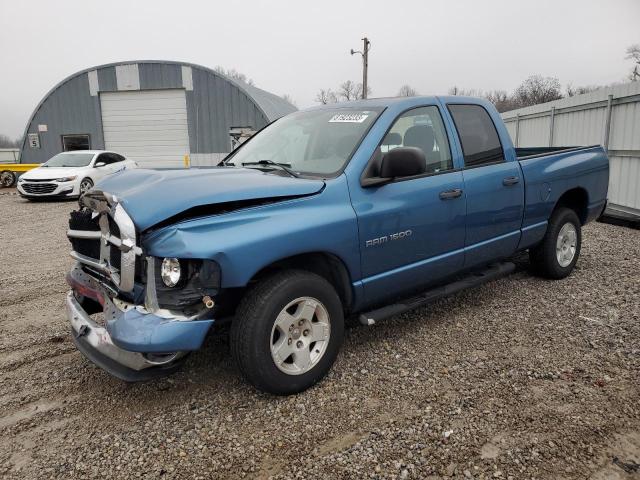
510	181
450	194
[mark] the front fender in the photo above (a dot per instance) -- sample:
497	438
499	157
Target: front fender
246	241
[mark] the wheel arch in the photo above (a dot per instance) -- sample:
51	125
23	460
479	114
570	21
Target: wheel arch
327	265
577	199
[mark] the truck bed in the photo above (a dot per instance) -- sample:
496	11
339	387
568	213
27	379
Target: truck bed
550	172
528	152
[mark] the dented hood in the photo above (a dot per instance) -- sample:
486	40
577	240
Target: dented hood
151	197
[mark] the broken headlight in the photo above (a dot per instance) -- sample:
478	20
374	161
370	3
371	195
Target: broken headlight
170	271
183	283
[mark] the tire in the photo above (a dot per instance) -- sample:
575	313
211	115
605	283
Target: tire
87	184
557	254
261	326
7	178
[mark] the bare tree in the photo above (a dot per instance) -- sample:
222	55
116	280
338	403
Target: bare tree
455	90
7	142
289	99
234	74
359	91
501	100
537	89
326	96
407	91
573	91
349	91
633	54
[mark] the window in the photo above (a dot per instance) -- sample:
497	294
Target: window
315	142
109	158
478	135
69	160
75	142
423	128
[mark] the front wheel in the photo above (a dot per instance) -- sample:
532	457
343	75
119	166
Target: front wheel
287	332
559	250
85	185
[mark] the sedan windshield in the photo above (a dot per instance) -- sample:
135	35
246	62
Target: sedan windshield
316	142
69	159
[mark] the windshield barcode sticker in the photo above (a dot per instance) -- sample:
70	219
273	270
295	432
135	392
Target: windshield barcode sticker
350	117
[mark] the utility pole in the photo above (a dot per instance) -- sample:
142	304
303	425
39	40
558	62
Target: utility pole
365	63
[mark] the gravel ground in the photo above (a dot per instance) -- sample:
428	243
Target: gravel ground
521	378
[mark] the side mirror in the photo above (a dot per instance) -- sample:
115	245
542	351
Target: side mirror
397	163
403	162
99	164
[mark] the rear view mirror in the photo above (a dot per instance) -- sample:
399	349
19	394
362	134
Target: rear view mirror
403	162
99	164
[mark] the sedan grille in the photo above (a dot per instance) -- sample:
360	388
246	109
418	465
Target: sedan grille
39	188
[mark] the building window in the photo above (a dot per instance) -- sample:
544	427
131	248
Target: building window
75	142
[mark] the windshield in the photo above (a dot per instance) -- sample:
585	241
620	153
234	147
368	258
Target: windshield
68	159
317	142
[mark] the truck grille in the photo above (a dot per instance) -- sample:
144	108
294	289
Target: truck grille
39	188
104	241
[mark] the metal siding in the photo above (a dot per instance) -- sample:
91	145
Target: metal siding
534	132
214	106
584	127
70	109
511	129
107	79
625	127
159	76
624	181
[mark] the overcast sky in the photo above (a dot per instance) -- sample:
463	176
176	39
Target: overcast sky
297	47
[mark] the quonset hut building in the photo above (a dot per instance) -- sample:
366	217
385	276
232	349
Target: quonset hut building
154	112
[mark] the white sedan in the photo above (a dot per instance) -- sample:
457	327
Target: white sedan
70	174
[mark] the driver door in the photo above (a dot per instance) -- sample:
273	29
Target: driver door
412	229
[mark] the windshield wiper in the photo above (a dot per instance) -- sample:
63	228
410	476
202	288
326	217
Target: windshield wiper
283	166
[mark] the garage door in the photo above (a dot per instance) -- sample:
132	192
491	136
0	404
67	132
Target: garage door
149	127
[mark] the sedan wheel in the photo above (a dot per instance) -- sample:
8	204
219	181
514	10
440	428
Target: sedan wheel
7	178
85	186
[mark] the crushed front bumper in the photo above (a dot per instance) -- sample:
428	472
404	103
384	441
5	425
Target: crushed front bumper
133	345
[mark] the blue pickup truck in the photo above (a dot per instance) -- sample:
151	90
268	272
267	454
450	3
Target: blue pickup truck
360	210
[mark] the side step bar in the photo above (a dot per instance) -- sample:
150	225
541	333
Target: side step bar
474	279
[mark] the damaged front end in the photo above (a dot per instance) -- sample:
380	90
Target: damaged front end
147	327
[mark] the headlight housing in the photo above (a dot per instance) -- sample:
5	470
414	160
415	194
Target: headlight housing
198	278
170	271
66	179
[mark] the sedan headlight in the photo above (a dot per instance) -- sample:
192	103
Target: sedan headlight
20	179
170	271
66	179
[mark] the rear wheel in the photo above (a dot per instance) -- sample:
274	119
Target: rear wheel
557	254
7	178
287	332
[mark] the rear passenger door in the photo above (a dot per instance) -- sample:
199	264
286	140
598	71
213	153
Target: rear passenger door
493	186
